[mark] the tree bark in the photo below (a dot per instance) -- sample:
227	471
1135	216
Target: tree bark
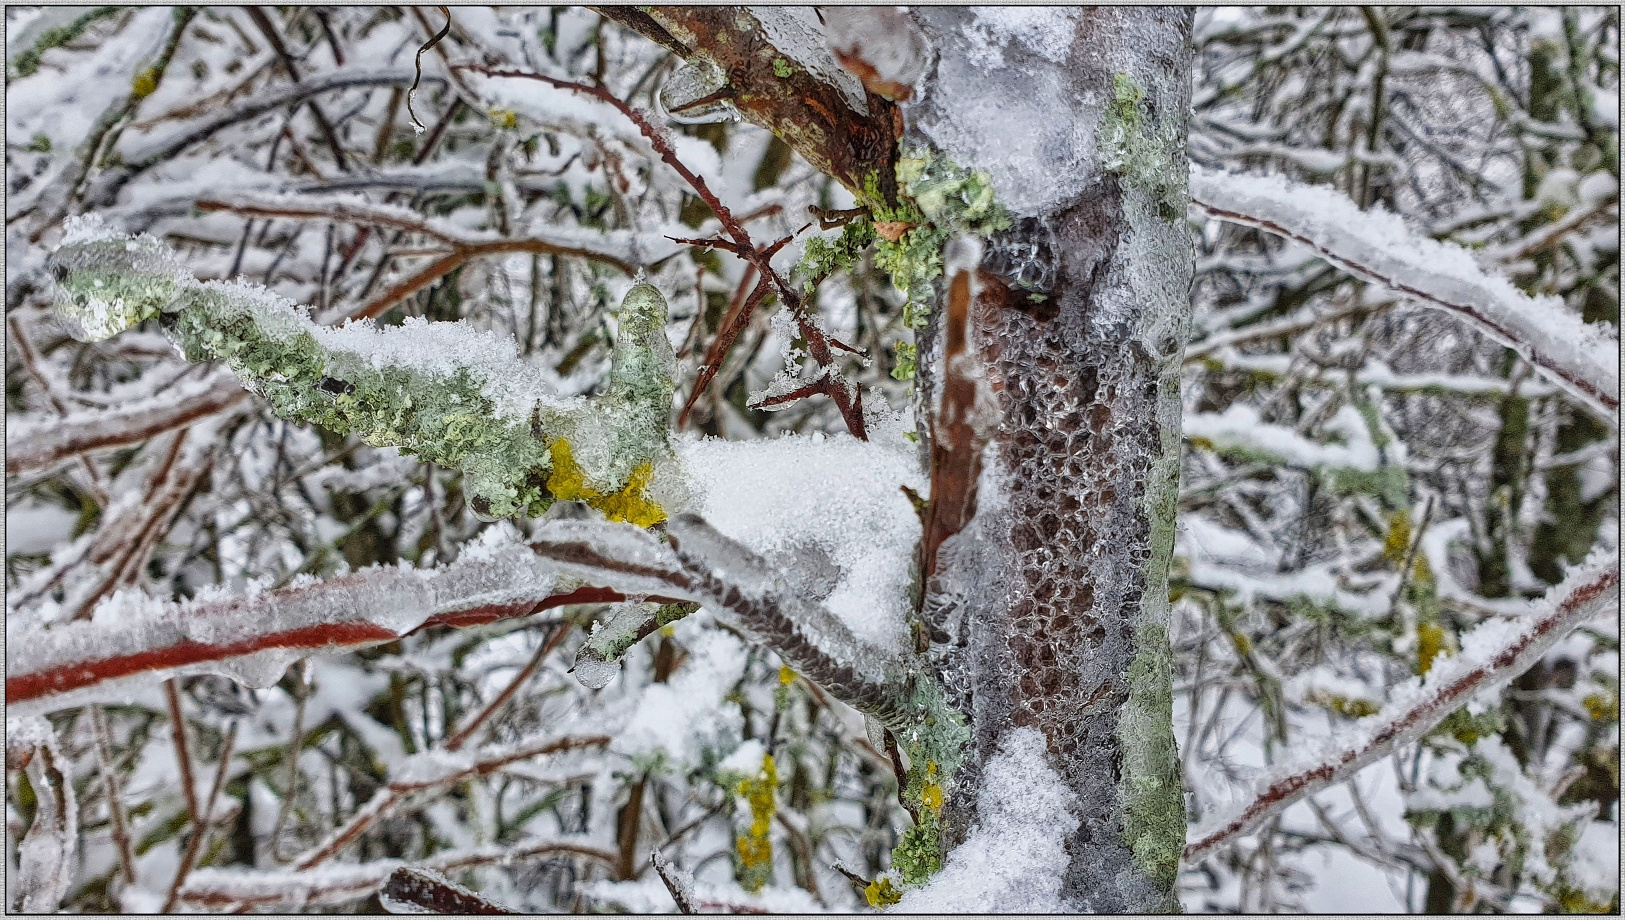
1049	607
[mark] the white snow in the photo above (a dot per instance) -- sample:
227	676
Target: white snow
1382	247
1014	856
829	507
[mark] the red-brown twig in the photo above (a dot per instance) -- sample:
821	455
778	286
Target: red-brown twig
177	728
432	893
110	785
553	641
738	318
388	797
739	241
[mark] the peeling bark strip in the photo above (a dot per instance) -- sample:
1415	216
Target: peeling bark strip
1594	590
777	89
1050	608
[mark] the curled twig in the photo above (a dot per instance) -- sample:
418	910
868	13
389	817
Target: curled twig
417	63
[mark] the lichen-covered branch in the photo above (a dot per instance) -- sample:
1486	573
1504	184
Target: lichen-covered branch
442	391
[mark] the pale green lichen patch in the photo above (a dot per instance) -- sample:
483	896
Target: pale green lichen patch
941	198
1150	159
934	739
449	394
824	256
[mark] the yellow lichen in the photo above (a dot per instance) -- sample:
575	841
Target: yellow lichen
1602	707
144	84
880	893
755	846
630	503
1397	543
504	118
1430	643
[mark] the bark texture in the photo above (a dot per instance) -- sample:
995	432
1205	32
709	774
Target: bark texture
1049	607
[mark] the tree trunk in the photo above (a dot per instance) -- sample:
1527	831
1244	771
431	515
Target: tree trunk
1049	607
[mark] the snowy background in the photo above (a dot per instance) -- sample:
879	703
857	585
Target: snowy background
1368	477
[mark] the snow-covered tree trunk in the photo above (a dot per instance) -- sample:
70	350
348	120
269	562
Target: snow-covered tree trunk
1049	607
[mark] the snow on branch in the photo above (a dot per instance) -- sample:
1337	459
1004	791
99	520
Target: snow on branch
222	889
1491	655
444	391
702	564
36	445
1380	247
133	639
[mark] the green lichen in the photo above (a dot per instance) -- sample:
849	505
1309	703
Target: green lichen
26	63
934	738
906	360
782	69
941	199
613	640
1149	160
825	256
445	414
1152	788
918	855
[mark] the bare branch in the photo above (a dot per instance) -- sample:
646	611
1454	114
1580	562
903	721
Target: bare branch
1493	654
429	892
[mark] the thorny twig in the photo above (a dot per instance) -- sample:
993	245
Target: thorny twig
739	241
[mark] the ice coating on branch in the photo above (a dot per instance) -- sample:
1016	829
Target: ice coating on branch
796	31
1038	139
827	509
681	95
598	661
1380	246
1013	859
46	855
108	281
258	634
444	391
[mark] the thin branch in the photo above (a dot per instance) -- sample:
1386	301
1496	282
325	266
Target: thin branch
200	830
1491	655
676	884
183	755
429	892
1545	332
115	803
553	641
481	763
228	888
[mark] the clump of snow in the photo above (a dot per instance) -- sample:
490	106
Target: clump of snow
1240	426
828	508
746	759
1014	857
